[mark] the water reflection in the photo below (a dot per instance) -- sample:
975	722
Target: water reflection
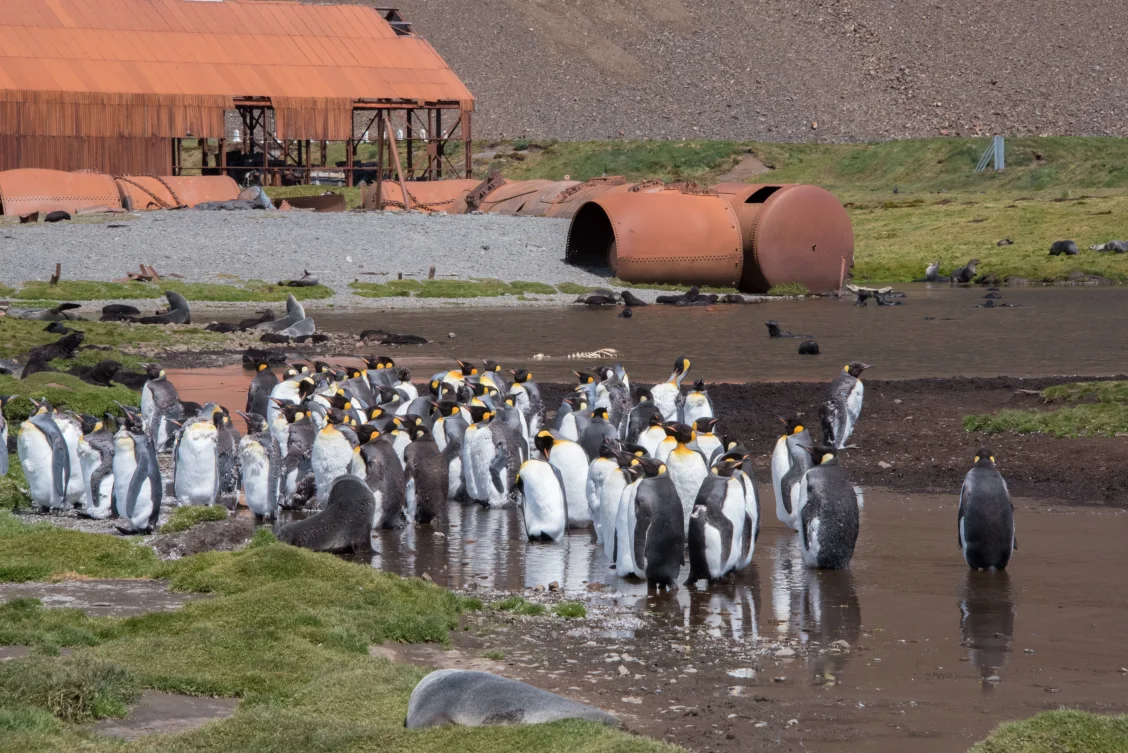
987	621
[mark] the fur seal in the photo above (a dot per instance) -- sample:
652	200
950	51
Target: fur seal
1064	248
473	699
57	314
344	525
178	312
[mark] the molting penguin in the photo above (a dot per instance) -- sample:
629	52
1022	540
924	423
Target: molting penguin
385	477
659	536
261	462
427	482
96	454
638	419
572	462
491	456
160	404
449	432
227	448
842	407
687	468
528	399
717	524
599	470
4	399
258	394
344	525
986	517
196	477
827	512
597	431
667	396
45	459
297	456
618	387
544	506
138	488
790	460
697	404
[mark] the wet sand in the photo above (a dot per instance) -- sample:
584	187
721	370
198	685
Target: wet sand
937	655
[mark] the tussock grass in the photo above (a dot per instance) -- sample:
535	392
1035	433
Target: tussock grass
26	622
1059	732
574	288
73	688
36	552
519	605
476	288
494	655
65	392
92	290
17	336
1103	414
572	610
183	518
13	487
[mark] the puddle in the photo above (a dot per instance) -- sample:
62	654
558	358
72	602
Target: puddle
730	343
906	648
101	598
167	713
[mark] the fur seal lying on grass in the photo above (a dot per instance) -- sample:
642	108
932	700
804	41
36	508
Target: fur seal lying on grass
344	525
56	314
475	699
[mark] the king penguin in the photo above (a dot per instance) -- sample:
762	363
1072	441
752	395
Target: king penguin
687	468
667	396
543	504
572	462
716	525
842	407
427	482
384	475
659	536
76	490
261	464
697	404
137	482
297	456
790	460
96	454
44	459
638	418
331	456
258	394
598	430
528	399
599	470
706	440
196	477
610	496
4	399
828	513
653	436
986	516
160	404
227	447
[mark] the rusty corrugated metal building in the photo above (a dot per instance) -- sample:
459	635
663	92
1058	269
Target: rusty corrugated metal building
112	85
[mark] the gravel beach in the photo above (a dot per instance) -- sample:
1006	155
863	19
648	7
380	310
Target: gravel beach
272	246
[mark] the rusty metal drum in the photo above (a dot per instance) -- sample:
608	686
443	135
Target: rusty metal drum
28	190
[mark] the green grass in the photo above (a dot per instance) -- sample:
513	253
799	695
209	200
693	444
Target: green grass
13	487
573	288
286	630
42	551
1061	731
615	282
65	392
1103	414
519	605
476	288
89	290
790	288
572	610
183	518
494	655
352	195
17	336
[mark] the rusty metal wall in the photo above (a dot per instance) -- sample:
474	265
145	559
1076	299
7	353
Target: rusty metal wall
117	155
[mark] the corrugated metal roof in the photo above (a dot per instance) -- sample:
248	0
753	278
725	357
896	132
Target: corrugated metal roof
186	47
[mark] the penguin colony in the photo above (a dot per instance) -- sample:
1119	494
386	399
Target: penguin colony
645	469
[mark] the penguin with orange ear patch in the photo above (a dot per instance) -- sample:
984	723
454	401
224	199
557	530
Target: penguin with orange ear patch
986	517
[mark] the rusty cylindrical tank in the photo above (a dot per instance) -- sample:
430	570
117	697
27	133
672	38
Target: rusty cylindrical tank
512	197
141	192
447	196
28	190
659	237
790	233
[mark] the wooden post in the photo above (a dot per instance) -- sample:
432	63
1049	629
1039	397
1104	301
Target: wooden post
466	138
438	136
265	154
308	162
222	156
380	163
396	160
410	146
349	162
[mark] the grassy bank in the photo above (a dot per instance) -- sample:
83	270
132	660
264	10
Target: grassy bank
90	290
285	630
479	288
1087	409
1059	732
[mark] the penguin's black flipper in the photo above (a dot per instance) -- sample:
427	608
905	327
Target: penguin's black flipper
499	466
960	516
827	415
698	567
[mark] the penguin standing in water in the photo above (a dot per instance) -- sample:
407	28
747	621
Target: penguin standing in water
427	482
610	497
96	454
261	462
449	432
258	394
667	396
638	418
227	448
827	512
572	462
687	468
196	477
599	470
618	388
160	405
659	534
600	429
45	459
381	470
331	455
297	456
842	407
717	524
491	457
528	399
4	399
697	404
544	506
137	482
790	460
986	517
624	552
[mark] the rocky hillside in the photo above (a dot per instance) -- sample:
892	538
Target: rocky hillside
785	70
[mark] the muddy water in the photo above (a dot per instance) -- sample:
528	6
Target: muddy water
939	654
938	332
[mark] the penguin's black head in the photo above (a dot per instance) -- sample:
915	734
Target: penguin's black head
336	416
605	373
305	388
341	401
86	423
366	433
644	395
699	385
261	366
682	433
652	467
447	408
375	413
388	396
794	426
255	422
321	367
479	413
109	423
478	388
706	425
468	369
153	371
681	366
985	457
633	470
292	412
584	377
404	374
822	455
520	376
599	413
544	442
352	372
855	368
728	464
489	365
633	450
420	432
609	448
656	420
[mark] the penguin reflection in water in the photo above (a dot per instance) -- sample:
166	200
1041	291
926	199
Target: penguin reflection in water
827	513
986	516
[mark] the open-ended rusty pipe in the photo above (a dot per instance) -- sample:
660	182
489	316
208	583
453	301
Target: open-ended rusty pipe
659	237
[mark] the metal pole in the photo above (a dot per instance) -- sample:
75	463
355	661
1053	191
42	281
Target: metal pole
308	162
380	164
466	138
265	153
349	162
410	146
438	144
222	156
396	160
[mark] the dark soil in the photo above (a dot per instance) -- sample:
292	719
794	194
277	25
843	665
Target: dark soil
222	535
916	427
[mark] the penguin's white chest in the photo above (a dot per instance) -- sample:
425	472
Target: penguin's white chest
124	465
625	533
610	496
568	428
666	399
331	457
38	462
544	507
854	402
197	466
696	406
148	405
477	454
651	439
598	473
735	511
687	470
256	477
76	486
571	460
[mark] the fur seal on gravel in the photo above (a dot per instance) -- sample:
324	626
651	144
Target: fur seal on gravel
294	314
344	525
474	699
